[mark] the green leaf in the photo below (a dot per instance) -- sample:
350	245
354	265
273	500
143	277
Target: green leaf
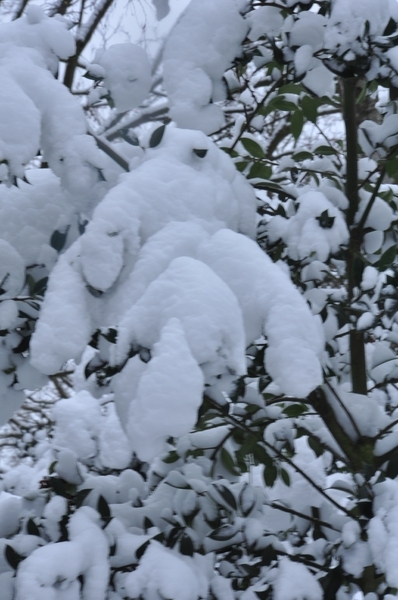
325	221
279	103
59	486
315	445
172	457
392	467
51	468
309	107
32	528
81	496
228	462
186	545
252	147
260	171
268	555
103	509
241	166
227	495
140	551
387	258
201	153
285	477
295	410
30	282
326	150
270	474
40	287
291	88
157	136
247	500
302	155
261	457
58	239
297	123
94	292
392	168
223	533
110	335
12	556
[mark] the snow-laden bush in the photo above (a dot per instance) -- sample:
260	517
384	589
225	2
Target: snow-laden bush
232	428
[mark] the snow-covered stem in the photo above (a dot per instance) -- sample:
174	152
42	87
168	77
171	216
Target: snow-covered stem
357	338
105	147
84	39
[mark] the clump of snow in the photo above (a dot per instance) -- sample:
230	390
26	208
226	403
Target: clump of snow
171	384
114	448
127	74
270	304
43	114
358	414
30	213
347	23
383	530
12	270
160	261
380	216
295	582
200	47
317	229
64	328
77	422
156	576
265	20
55	565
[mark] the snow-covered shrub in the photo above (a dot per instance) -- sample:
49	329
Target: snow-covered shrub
229	305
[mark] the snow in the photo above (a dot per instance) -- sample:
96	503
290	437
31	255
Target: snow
295	582
380	216
268	300
265	20
208	37
357	413
30	214
369	278
348	19
164	573
127	74
12	270
43	113
303	232
59	565
190	291
10	513
171	385
66	466
63	330
53	512
114	448
77	423
168	261
303	59
320	81
383	530
373	241
308	29
8	314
